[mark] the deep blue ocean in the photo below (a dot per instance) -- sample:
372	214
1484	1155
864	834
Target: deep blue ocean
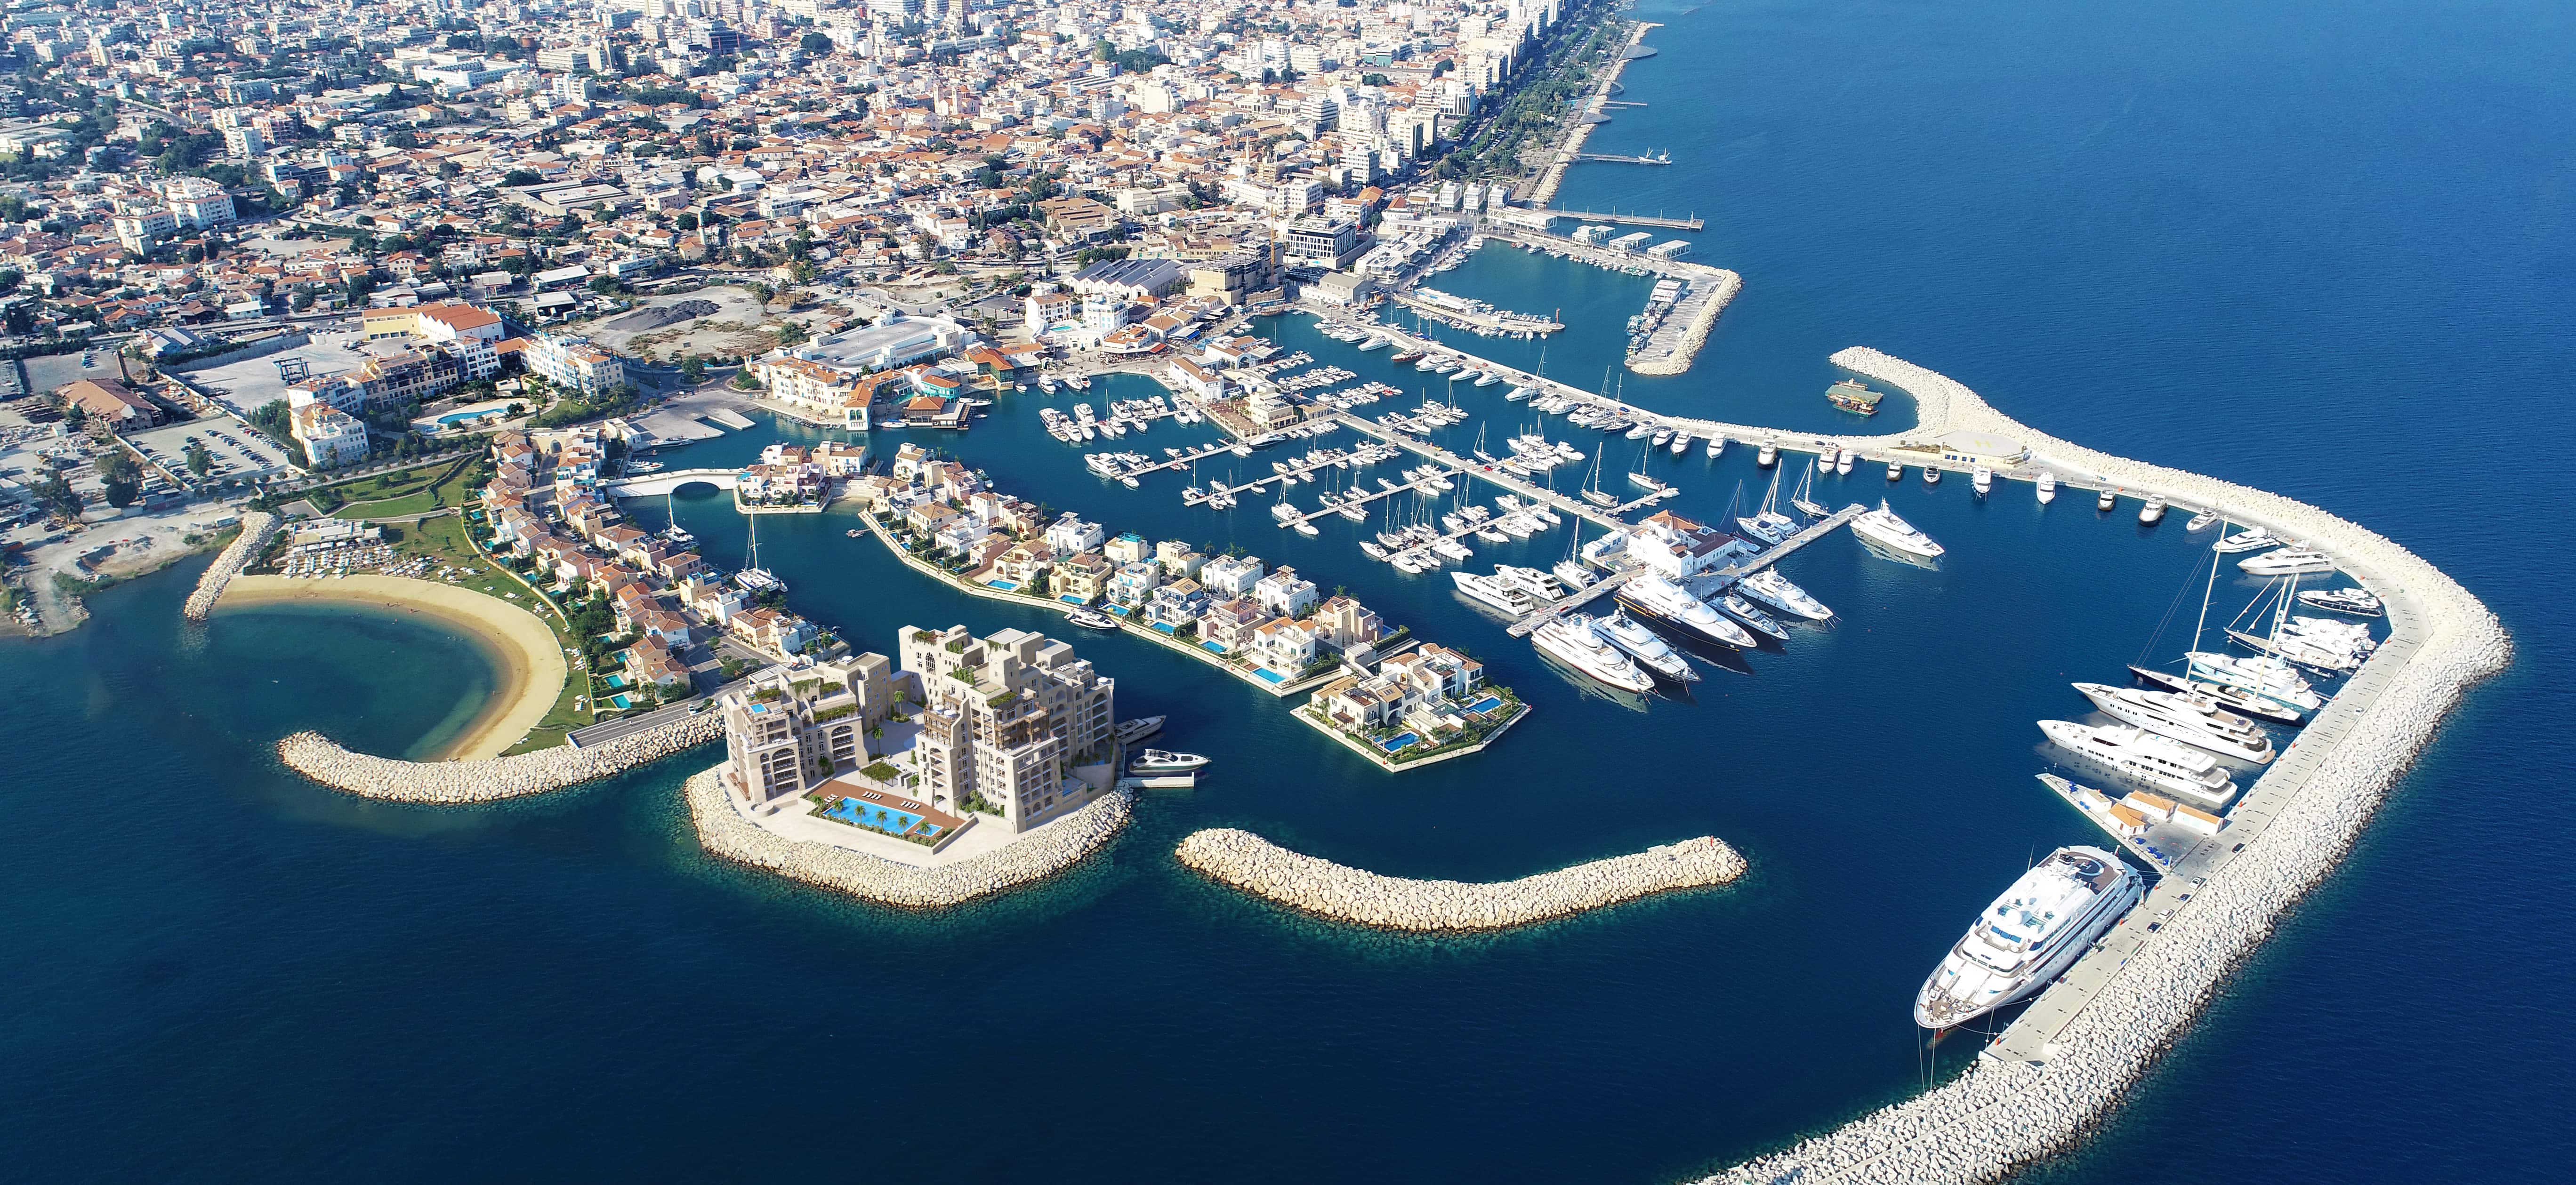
2327	249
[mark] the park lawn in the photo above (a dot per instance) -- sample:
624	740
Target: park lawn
437	489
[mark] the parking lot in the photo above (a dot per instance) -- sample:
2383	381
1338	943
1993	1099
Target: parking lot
239	454
246	385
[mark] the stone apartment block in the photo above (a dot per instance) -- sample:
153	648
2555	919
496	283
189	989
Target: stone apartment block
1006	721
791	729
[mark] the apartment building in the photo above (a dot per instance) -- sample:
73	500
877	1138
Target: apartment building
793	728
1006	721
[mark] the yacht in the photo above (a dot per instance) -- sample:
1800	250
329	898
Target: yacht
2288	561
1982	479
1571	640
2047	487
2110	498
1770	453
1532	581
1157	761
1640	431
1572	574
1090	618
1931	475
1131	731
1773	589
2192	719
2251	539
2153	512
2031	934
1681	444
1884	528
1716	445
2201	521
1645	646
1754	619
1895	471
1662	600
1768	525
2166	766
2262	678
2242	705
2359	602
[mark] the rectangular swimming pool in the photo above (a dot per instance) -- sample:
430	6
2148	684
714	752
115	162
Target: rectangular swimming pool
1269	676
1004	585
1398	743
881	818
1487	704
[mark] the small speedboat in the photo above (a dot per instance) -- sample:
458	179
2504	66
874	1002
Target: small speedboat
2359	602
1131	731
1090	618
1158	761
2250	539
2201	521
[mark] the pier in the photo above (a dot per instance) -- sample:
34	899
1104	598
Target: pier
1693	222
1572	601
1614	158
1815	530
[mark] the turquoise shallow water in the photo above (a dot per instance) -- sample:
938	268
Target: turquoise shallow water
2324	248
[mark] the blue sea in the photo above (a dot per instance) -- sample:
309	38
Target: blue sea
2326	249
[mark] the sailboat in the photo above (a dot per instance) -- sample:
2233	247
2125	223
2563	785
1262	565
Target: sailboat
677	534
753	578
2250	686
1768	524
1804	499
1571	570
1592	492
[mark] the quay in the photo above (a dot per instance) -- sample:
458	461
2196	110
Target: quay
1693	222
1572	601
1598	516
1772	555
1416	486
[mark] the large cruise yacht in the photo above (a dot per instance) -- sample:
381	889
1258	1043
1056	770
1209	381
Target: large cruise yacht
2036	930
1495	591
2192	719
2259	677
1667	602
2165	765
1644	645
1771	588
1571	640
1884	528
2289	561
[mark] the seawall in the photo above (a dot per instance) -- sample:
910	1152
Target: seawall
1042	853
256	528
1325	889
2002	1114
491	779
1696	334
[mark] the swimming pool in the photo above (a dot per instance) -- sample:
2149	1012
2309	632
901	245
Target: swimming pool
1211	648
456	417
1004	585
881	818
1269	676
617	680
1487	704
621	701
1398	743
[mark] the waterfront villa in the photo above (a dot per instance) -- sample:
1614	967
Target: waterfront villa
1283	647
1228	577
1284	593
1069	535
1082	578
1176	605
1228	624
1134	584
1428	690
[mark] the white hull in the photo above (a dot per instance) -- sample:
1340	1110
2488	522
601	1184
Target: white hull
2029	936
1884	528
2163	765
2198	724
1572	641
1770	588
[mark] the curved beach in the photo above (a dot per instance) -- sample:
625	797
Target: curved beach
1320	887
529	663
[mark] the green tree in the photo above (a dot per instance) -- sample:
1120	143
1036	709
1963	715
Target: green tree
199	461
518	177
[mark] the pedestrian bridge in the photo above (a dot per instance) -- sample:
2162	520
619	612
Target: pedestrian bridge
644	484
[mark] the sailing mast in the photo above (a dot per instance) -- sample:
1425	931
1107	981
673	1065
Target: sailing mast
2202	625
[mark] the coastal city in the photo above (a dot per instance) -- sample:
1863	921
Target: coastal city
1081	368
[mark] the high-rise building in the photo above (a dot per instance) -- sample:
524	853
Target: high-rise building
1006	723
793	728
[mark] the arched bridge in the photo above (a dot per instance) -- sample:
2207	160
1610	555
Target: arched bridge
662	483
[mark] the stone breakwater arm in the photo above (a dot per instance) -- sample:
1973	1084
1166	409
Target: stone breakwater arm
1042	853
256	528
1725	284
493	779
2001	1115
1321	887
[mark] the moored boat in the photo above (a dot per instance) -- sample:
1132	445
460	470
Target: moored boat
1572	640
2032	933
2165	765
1645	646
1661	600
1157	761
2194	720
2288	561
1881	526
1771	588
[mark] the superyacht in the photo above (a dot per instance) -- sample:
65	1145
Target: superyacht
1773	589
2031	934
1662	600
1495	591
1571	640
1644	645
2168	766
2192	719
1884	528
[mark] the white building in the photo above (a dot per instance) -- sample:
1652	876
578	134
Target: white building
329	436
573	364
197	203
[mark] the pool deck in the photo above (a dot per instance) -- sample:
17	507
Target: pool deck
1386	761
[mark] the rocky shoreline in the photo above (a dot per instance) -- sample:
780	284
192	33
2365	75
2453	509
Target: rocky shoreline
491	779
2002	1115
1042	853
256	528
1320	887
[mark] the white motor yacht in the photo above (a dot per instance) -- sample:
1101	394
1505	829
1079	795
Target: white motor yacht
1532	581
1157	761
2192	719
1645	646
2047	487
2288	561
2168	766
1771	588
2201	521
1895	471
1090	619
1572	573
1754	619
2251	539
2153	511
1716	445
1132	731
2261	678
1770	453
1662	600
1571	640
1982	479
2360	602
2035	931
1884	528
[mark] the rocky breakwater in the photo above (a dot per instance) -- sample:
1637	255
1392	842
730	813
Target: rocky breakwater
1321	887
2002	1115
724	831
492	779
1722	287
256	528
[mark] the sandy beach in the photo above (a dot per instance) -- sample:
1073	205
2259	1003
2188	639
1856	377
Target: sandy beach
531	662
